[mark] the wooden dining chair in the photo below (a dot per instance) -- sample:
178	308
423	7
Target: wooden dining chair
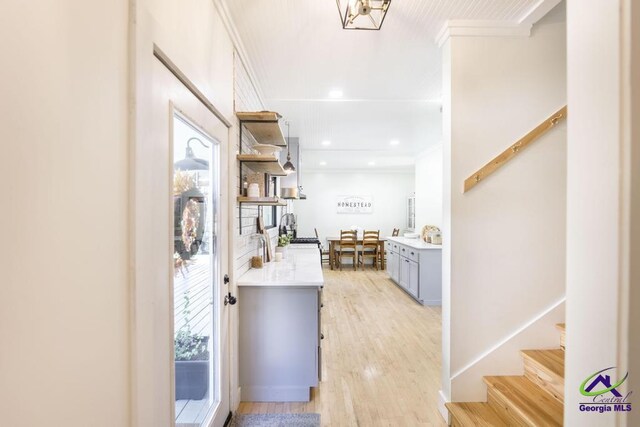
370	247
396	232
347	248
324	253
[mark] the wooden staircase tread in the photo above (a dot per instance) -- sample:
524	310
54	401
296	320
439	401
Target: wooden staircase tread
474	414
530	402
561	327
550	360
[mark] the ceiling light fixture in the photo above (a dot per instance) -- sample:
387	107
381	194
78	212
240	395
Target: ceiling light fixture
372	163
394	142
362	14
288	167
335	93
325	143
323	163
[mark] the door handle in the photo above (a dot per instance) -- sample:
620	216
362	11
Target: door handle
230	299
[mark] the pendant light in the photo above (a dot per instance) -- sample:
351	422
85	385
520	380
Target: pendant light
362	14
288	167
190	161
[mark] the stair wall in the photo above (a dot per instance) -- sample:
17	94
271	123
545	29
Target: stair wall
505	359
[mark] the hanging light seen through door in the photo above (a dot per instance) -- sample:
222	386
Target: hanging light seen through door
288	167
362	14
190	161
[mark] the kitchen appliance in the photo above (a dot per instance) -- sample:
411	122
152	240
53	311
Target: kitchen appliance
305	241
288	225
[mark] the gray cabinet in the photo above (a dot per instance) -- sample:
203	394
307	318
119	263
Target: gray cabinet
393	265
404	274
280	343
417	268
414	278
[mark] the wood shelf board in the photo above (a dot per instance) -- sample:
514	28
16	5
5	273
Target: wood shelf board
262	163
262	201
264	127
258	115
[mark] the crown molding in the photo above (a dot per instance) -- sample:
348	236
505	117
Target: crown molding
538	10
485	28
478	28
232	30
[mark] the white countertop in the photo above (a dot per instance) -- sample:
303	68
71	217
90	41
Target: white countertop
300	268
414	243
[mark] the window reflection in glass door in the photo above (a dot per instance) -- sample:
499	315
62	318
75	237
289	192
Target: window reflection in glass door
194	265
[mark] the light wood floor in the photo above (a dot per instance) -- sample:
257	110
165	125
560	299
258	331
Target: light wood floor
381	356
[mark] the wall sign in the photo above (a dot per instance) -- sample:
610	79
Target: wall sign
355	204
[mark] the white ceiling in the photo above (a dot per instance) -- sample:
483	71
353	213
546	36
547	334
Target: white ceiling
390	79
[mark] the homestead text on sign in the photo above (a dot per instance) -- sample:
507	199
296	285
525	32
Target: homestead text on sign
354	204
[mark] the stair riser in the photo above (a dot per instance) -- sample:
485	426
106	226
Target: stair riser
562	340
551	383
504	409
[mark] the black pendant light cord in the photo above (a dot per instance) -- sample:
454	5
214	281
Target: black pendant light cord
288	167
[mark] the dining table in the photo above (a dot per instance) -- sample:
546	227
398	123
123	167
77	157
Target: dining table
333	241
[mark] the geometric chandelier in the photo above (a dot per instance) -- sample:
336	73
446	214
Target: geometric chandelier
362	14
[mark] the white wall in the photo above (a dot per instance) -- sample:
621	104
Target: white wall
64	301
599	275
389	190
504	245
428	185
633	300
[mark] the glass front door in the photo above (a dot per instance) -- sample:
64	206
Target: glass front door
196	272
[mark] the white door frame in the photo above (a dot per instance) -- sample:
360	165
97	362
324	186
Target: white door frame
151	337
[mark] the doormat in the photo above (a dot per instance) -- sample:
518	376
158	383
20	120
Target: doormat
276	420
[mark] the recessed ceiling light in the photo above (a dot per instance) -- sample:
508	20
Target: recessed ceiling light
372	163
323	163
394	142
335	93
326	142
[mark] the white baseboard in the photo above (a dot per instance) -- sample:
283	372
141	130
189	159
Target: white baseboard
442	399
276	394
236	399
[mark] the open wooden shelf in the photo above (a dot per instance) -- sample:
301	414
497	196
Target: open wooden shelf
262	201
264	127
262	163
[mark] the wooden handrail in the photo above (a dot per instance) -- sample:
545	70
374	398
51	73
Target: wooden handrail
514	149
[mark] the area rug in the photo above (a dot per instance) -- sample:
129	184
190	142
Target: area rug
276	420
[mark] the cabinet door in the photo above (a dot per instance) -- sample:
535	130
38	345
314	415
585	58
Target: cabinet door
392	266
404	273
414	278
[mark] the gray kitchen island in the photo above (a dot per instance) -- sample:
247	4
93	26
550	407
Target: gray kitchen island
280	328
